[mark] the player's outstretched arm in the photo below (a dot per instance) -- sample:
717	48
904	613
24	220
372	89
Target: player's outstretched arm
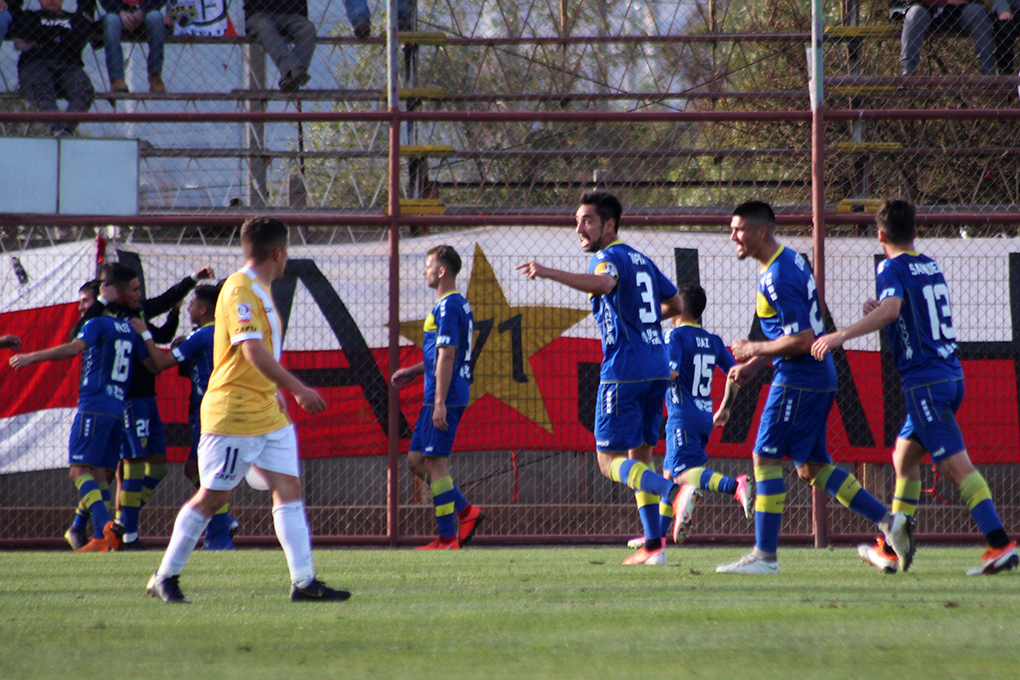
68	350
158	360
403	376
877	316
593	284
671	307
722	416
785	346
10	342
264	362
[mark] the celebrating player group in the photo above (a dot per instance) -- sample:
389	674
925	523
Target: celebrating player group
242	429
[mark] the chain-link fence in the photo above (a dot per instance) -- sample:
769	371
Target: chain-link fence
682	109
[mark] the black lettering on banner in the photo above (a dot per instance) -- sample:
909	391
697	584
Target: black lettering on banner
484	327
513	324
362	371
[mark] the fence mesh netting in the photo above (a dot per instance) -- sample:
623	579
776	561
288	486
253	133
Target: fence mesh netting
524	448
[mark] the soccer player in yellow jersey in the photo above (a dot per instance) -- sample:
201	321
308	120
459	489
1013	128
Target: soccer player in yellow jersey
245	428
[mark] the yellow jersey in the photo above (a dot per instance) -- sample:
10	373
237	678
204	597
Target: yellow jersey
240	401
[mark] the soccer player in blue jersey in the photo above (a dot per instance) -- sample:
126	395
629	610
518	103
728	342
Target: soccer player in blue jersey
446	365
629	299
109	346
193	356
913	307
793	422
694	353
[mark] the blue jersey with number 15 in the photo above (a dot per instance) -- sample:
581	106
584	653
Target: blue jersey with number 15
630	316
923	338
694	354
106	364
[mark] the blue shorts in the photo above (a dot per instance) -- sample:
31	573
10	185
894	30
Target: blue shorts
931	418
96	440
195	422
793	425
629	414
432	441
684	450
143	429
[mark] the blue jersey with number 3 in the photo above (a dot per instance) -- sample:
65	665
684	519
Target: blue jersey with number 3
106	364
923	338
450	324
694	353
630	317
787	305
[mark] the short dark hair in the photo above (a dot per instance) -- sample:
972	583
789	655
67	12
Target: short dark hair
447	257
91	286
261	235
207	294
898	219
694	299
607	206
120	275
758	213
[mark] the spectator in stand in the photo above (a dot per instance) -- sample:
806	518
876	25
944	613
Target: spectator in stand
51	41
7	9
953	15
1006	30
127	16
360	17
274	23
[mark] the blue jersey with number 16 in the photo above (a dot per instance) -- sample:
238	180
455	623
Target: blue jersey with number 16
630	316
923	338
106	364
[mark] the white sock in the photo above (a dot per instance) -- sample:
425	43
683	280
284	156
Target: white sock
187	530
292	531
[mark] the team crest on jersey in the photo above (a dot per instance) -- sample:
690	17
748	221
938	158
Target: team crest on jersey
243	312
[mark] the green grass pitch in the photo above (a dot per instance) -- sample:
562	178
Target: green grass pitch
509	613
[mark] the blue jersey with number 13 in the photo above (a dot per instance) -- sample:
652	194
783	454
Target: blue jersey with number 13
923	338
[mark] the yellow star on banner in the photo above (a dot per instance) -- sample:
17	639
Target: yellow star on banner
505	339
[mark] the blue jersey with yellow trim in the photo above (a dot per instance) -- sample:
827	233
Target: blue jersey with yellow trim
693	354
923	338
449	324
197	352
787	304
630	317
110	345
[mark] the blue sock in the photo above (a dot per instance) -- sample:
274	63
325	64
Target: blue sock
459	502
89	491
640	477
443	499
848	491
648	509
768	507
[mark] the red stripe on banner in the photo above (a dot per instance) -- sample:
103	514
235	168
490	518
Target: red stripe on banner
351	425
40	386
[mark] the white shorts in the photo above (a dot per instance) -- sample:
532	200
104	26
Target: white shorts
224	461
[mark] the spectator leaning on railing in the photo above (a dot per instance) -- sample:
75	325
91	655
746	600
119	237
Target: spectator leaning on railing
360	17
126	16
274	23
920	17
1007	26
50	66
7	7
